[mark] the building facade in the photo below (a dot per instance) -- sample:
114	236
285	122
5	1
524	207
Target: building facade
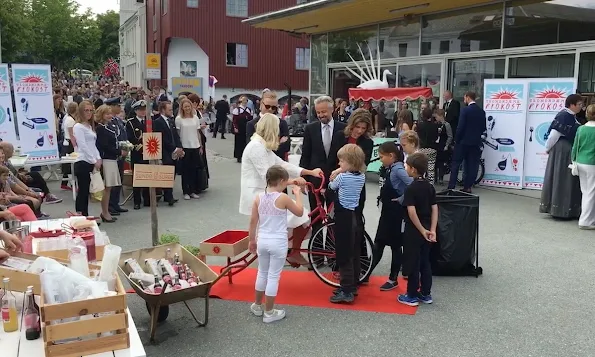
198	38
133	41
445	45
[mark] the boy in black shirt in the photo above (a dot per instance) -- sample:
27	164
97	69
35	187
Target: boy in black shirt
420	230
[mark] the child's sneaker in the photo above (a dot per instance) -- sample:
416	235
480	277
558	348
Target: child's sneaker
50	198
408	300
65	187
272	316
256	309
337	290
389	285
342	297
426	299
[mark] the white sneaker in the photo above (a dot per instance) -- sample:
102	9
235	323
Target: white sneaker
195	196
186	197
256	309
273	316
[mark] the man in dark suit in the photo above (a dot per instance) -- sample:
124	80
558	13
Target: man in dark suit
452	107
172	147
222	111
318	140
114	200
468	141
135	127
269	104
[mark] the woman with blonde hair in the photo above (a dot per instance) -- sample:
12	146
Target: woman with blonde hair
583	156
188	126
257	158
107	144
195	100
88	157
69	141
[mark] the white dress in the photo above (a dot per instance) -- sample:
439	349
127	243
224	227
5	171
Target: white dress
256	160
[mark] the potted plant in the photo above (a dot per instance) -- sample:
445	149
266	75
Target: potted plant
167	238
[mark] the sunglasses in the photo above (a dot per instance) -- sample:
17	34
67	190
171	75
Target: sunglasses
271	107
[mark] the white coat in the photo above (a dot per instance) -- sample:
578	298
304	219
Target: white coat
256	160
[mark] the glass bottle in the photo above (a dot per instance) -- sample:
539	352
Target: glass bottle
168	255
157	288
177	285
32	326
9	308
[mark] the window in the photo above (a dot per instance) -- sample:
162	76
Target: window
237	8
192	3
401	39
302	58
553	66
237	54
402	50
444	46
344	43
163	7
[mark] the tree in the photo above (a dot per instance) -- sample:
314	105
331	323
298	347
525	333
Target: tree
109	27
15	29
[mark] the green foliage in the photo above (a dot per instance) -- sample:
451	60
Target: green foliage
167	238
58	33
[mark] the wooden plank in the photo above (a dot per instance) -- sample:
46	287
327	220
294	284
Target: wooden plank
86	327
94	346
102	354
9	342
83	307
136	348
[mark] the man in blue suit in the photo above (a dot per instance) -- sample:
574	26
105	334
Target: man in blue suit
468	141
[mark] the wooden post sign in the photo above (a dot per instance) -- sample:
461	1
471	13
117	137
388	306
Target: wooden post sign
156	176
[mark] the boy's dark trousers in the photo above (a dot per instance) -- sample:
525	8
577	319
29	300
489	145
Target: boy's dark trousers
347	248
418	256
389	234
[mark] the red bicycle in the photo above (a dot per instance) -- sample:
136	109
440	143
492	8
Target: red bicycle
321	247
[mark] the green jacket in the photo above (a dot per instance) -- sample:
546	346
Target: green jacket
583	150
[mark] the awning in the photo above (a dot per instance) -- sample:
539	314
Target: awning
321	16
389	94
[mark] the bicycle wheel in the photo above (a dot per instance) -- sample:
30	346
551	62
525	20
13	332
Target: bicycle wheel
322	256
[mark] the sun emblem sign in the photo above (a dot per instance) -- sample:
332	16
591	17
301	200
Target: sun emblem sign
152	146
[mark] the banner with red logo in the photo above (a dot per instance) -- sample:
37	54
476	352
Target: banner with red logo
7	117
32	85
547	98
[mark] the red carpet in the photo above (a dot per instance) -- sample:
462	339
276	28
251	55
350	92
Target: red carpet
303	288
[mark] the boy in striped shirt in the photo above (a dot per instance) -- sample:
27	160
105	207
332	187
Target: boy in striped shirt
348	180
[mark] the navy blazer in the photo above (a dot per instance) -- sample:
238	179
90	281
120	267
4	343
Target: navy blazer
472	125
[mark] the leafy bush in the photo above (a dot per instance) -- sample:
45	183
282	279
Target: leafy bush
167	238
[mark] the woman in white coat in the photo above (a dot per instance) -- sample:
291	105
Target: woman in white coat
257	158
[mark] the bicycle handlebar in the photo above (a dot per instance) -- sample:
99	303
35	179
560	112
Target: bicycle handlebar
320	188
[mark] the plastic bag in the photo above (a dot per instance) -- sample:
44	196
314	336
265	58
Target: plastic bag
96	188
573	169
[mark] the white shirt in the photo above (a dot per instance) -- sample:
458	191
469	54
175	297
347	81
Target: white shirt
85	143
256	160
188	129
67	123
236	111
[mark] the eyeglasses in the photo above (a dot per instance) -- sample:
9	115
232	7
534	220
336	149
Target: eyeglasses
89	110
271	107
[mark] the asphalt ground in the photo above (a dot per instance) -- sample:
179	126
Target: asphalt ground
534	298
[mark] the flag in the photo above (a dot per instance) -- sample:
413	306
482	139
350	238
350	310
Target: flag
111	68
212	81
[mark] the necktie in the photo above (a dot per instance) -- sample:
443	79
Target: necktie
326	138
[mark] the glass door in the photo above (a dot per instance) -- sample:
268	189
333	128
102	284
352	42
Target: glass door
469	75
586	72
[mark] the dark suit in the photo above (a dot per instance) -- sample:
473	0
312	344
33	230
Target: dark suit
171	141
453	111
314	156
135	128
283	131
472	125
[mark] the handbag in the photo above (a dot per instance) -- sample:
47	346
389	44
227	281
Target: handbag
96	187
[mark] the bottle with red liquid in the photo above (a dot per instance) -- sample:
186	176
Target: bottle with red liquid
32	325
176	284
157	288
165	274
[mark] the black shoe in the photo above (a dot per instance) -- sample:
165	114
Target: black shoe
389	285
172	202
223	137
121	210
114	213
103	219
136	207
337	290
342	297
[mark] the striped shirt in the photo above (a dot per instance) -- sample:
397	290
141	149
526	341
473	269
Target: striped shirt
349	186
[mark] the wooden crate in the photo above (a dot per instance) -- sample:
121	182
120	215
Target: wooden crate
53	330
19	280
63	253
225	244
